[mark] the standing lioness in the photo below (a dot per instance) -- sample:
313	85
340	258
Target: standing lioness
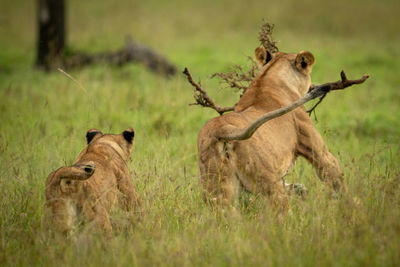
87	190
234	153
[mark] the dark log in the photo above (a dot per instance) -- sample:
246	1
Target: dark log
131	52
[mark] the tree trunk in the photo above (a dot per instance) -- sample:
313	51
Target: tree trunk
51	33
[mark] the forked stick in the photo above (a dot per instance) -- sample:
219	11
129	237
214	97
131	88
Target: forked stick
335	86
202	98
314	92
339	85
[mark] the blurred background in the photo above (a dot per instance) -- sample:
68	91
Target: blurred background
211	36
44	117
180	28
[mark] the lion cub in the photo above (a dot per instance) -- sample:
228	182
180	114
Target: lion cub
87	190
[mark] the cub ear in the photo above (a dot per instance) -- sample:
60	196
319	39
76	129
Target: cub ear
129	134
262	56
304	62
91	134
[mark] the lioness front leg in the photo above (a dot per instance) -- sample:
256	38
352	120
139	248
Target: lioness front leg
270	185
313	148
278	197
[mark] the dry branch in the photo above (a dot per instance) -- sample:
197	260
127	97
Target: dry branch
310	111
339	85
266	39
202	98
131	52
239	78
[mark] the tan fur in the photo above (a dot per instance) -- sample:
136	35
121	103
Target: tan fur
88	190
259	163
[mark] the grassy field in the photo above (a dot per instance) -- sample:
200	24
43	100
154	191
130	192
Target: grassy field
44	118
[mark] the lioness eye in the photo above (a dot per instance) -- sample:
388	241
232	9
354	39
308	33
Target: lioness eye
68	182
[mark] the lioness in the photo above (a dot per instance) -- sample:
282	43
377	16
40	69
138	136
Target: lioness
234	153
89	189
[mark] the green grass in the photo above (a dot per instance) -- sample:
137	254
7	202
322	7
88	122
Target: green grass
44	118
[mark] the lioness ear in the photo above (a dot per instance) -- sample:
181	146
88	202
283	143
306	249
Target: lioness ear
129	134
304	62
91	134
262	56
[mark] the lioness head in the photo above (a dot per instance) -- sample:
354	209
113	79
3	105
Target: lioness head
294	69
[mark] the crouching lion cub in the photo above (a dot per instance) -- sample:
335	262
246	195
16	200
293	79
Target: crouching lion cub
87	190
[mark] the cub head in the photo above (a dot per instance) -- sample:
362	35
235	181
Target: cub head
121	143
286	68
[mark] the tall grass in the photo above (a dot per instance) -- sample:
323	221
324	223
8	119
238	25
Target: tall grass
44	117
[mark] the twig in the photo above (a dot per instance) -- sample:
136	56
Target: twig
73	79
311	110
202	98
266	39
237	77
339	85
